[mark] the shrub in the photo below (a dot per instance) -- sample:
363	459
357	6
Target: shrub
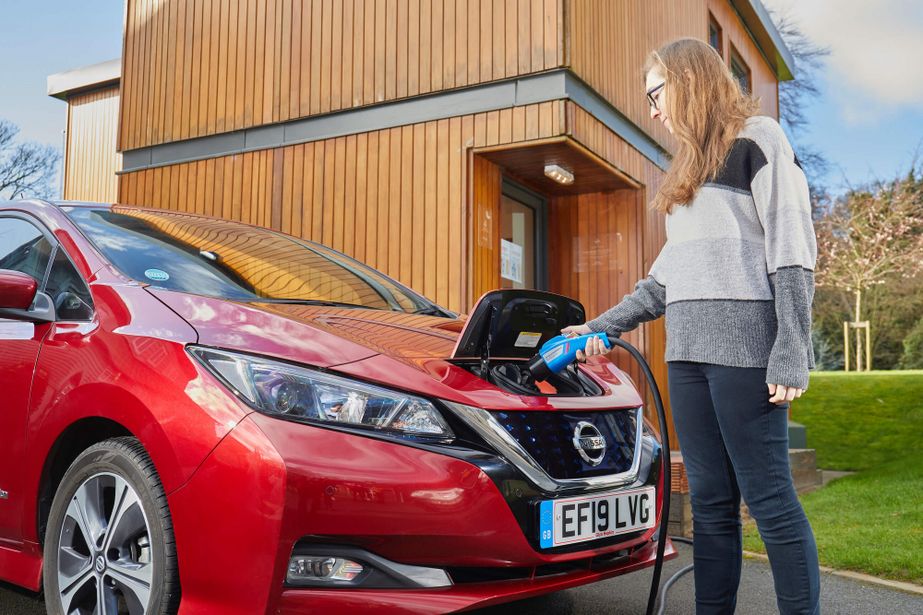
826	356
913	348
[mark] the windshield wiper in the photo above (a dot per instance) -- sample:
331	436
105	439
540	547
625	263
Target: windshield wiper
322	302
432	311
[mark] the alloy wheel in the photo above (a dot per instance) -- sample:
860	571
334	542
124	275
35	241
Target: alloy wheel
105	561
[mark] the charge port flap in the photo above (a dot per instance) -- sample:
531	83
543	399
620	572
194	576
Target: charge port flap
514	323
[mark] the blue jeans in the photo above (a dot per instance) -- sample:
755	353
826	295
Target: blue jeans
735	442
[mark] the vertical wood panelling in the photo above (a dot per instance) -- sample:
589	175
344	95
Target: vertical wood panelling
196	67
613	63
394	198
596	255
90	160
765	85
485	226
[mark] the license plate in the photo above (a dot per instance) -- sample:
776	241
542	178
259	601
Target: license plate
571	520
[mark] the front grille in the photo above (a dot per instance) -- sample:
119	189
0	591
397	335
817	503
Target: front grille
548	438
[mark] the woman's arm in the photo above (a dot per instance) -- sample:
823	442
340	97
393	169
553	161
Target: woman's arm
647	302
780	192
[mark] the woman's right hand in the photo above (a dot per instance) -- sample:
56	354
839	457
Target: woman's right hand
593	347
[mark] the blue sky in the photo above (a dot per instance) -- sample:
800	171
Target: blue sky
868	120
42	37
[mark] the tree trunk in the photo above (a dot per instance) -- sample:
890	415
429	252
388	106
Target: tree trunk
858	331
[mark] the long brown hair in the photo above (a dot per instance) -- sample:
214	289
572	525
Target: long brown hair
707	109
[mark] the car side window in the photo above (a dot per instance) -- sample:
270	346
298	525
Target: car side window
23	248
68	291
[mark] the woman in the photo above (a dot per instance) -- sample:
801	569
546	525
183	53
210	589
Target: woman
735	281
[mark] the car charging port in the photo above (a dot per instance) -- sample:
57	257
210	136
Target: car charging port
515	377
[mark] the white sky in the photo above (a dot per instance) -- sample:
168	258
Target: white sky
876	47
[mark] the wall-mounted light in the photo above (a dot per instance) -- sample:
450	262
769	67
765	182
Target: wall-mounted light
559	174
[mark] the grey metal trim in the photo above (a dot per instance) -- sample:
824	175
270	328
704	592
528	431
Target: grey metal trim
423	576
488	428
552	86
61	85
585	96
543	87
263	137
218	145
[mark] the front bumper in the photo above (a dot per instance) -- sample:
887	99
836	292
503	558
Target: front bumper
271	484
459	597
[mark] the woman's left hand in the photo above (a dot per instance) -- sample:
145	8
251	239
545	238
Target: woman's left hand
780	393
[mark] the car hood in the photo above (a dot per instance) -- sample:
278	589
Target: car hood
395	349
316	335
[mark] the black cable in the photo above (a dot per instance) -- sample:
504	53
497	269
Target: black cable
665	456
669	584
676	576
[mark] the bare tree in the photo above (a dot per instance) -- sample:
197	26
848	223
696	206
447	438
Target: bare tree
809	61
26	169
870	237
794	96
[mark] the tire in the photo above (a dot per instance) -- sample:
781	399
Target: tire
109	539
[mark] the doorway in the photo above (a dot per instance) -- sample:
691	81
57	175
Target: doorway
523	237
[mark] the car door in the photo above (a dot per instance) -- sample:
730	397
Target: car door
27	248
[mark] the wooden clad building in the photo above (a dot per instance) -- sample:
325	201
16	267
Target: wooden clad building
91	161
413	135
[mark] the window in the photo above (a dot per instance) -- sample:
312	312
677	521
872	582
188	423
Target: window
740	70
67	290
23	248
715	35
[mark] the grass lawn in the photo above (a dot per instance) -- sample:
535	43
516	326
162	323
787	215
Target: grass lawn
872	423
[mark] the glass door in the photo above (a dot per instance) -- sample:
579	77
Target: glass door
522	238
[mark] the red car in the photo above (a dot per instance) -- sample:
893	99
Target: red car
203	416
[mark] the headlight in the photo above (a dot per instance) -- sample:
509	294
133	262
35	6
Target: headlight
286	391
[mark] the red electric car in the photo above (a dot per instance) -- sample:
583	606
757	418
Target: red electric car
202	416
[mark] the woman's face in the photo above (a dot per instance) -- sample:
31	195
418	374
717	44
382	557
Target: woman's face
659	93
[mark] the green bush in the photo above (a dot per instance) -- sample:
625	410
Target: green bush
913	348
826	357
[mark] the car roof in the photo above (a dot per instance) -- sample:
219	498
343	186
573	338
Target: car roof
54	203
89	204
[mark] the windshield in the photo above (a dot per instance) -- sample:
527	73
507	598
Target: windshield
229	260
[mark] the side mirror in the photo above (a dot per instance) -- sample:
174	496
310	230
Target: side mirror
19	299
17	290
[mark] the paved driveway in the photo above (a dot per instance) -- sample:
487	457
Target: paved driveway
628	596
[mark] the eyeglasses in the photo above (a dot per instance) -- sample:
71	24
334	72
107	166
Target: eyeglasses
652	93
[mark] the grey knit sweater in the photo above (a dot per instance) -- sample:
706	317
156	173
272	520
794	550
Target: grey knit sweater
735	278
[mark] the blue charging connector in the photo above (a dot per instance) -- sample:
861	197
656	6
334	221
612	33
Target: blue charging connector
558	352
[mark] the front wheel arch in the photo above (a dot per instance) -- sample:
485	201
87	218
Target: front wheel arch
77	438
109	526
